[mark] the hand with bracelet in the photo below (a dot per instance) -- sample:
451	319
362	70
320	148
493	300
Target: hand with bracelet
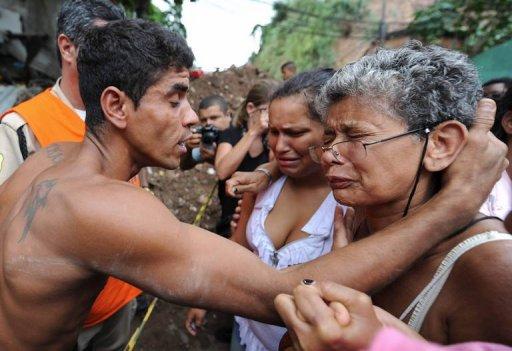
252	182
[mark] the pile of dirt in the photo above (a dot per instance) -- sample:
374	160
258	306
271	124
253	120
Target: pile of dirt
232	84
183	192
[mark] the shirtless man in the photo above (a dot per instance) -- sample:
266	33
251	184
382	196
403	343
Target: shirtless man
68	219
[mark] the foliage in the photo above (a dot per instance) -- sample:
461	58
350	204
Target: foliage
305	31
478	24
170	18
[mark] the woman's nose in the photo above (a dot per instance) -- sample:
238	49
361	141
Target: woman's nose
328	158
282	144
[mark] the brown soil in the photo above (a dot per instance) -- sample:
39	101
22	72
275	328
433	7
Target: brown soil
183	192
233	84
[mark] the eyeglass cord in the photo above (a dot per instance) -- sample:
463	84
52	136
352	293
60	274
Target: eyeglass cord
418	172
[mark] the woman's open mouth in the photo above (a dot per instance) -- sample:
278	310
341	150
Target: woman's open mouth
288	162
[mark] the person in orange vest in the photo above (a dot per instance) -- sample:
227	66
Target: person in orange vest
56	115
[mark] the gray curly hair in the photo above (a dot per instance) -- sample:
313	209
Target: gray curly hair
423	85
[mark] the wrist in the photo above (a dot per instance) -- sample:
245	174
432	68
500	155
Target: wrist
451	211
265	172
253	133
459	198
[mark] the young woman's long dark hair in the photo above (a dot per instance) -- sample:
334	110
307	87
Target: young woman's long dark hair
258	95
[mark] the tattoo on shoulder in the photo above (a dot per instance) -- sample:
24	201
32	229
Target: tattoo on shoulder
35	203
54	153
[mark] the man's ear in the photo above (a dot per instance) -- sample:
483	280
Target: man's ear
115	105
68	50
506	122
250	108
445	143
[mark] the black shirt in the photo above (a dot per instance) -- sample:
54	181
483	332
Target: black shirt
232	135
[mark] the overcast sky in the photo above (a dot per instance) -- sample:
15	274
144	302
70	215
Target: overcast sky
219	32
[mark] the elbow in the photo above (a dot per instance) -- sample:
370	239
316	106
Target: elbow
222	174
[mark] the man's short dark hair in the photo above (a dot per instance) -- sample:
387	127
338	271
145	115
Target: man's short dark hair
288	64
214	100
76	16
131	55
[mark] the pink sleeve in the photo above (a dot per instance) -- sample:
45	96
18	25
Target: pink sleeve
389	339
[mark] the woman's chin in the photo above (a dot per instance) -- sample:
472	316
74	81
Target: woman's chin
347	197
300	171
292	172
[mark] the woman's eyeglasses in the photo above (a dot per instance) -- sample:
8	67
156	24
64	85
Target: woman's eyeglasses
354	150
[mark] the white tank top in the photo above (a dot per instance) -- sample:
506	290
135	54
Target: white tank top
428	296
258	336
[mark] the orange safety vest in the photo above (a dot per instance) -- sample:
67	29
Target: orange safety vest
51	121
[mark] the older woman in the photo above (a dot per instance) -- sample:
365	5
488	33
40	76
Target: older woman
400	118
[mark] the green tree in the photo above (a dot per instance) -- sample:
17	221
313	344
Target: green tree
477	24
305	31
170	18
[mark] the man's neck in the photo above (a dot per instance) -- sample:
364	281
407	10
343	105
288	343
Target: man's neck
112	161
72	93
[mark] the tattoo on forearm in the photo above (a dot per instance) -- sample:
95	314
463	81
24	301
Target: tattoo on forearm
36	202
54	153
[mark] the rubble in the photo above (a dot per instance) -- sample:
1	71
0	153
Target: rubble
232	84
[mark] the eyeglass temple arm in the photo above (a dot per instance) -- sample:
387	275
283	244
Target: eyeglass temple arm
426	131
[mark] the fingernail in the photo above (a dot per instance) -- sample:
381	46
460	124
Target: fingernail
308	281
487	104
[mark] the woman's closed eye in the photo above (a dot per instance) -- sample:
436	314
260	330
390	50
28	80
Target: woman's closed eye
296	133
328	139
363	137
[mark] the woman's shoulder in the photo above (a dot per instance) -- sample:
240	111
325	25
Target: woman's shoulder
486	260
481	286
268	196
483	248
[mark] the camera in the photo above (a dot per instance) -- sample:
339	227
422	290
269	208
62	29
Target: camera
209	134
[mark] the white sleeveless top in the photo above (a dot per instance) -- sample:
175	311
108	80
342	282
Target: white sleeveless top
258	336
428	295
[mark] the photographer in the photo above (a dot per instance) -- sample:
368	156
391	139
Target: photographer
202	145
242	146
